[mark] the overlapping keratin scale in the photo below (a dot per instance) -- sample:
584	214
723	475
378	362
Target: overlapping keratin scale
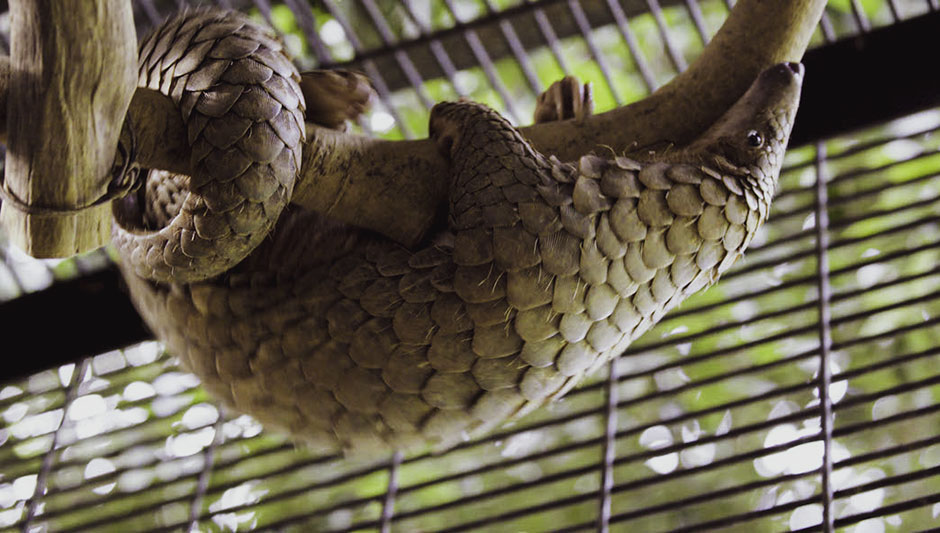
239	97
555	269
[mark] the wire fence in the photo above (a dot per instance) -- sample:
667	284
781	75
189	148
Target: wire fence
801	393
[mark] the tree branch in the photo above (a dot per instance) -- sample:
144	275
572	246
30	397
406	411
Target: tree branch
341	177
69	81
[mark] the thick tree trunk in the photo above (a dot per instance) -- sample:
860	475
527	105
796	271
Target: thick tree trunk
70	78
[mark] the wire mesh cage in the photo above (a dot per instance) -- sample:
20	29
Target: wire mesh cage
801	389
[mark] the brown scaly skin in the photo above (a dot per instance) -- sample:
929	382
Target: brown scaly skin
239	95
348	340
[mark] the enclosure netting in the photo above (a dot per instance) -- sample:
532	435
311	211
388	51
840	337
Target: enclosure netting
804	385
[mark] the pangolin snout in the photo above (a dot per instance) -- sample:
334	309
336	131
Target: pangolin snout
796	68
791	68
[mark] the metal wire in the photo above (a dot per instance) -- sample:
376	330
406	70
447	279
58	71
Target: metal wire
372	71
825	26
551	39
610	430
860	18
388	506
437	49
202	484
581	19
48	458
825	334
403	60
674	55
593	471
695	12
518	51
630	39
308	26
483	59
895	10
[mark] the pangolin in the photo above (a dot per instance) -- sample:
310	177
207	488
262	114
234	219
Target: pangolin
543	271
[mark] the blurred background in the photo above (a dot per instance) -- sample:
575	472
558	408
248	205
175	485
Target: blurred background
712	421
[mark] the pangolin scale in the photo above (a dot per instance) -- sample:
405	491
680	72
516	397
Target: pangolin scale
546	270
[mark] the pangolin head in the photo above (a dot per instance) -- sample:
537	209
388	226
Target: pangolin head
750	139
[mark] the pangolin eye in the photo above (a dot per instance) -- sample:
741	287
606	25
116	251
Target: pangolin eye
754	139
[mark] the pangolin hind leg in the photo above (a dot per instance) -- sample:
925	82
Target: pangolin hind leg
335	96
566	98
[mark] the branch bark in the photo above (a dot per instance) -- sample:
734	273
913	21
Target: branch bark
342	176
71	75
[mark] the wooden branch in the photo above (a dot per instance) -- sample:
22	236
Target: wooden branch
72	73
341	178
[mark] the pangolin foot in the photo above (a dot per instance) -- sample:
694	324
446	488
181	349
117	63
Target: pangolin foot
335	96
566	98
